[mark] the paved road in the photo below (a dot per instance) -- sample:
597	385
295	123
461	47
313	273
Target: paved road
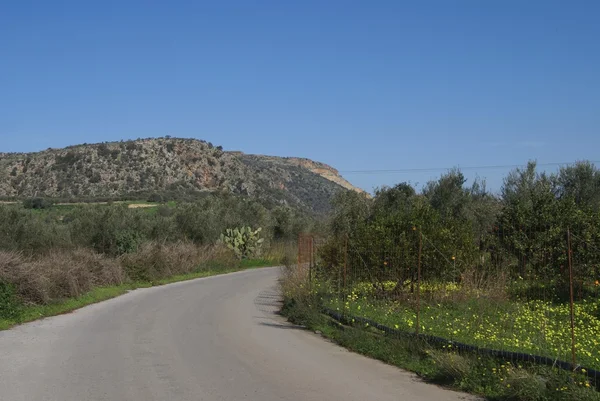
209	339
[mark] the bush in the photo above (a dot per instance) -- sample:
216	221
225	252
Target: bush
37	203
155	261
112	230
61	274
58	275
155	198
127	241
22	230
164	211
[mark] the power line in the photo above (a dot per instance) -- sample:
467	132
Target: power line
434	169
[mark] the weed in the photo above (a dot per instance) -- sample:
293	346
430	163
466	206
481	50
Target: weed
10	305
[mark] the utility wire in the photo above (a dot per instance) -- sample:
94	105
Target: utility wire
433	169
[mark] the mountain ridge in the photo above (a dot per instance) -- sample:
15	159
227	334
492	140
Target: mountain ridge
168	166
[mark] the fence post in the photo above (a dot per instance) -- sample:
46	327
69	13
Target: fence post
311	261
345	263
573	351
419	281
299	251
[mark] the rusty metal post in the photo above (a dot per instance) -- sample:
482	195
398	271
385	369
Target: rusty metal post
419	282
345	264
299	251
571	302
311	261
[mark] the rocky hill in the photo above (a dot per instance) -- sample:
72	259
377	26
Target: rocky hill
169	167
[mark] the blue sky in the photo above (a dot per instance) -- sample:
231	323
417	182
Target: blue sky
360	85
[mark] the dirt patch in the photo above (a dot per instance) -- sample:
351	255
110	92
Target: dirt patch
82	203
141	205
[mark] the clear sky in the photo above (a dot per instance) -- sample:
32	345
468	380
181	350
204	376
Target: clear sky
360	85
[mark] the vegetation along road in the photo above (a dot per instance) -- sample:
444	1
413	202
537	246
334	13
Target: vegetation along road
214	338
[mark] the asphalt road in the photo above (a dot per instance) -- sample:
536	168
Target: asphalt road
216	338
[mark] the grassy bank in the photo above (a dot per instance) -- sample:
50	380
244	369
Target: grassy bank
29	313
492	378
535	327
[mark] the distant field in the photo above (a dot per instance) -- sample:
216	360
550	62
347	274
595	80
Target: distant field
130	204
141	205
68	205
107	203
59	210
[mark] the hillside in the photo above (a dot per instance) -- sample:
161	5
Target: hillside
170	167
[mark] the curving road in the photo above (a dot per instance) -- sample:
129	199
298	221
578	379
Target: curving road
215	338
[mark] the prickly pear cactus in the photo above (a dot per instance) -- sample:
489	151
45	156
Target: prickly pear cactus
243	241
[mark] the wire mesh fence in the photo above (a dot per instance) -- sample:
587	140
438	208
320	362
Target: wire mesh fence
528	295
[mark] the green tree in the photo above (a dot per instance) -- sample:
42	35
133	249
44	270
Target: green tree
532	221
351	210
448	195
580	182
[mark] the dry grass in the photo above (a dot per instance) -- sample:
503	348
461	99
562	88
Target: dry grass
294	282
155	260
451	365
282	252
59	274
64	274
522	383
474	284
141	205
487	284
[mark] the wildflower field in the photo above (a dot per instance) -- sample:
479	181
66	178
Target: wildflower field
538	327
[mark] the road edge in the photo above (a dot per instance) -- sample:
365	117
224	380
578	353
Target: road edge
101	294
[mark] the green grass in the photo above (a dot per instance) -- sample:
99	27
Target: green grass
249	263
491	378
34	312
534	327
98	294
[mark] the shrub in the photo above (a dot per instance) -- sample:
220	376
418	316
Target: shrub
164	211
159	260
58	275
22	230
127	241
112	230
37	203
155	198
155	261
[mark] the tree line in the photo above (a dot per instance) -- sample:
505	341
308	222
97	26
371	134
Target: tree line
115	229
525	228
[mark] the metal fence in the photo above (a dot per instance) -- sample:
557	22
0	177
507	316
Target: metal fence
308	256
528	296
